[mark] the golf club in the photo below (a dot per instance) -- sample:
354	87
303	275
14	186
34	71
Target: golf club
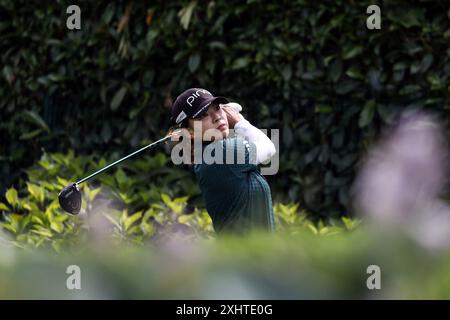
70	196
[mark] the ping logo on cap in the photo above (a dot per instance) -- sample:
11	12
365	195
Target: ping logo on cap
195	95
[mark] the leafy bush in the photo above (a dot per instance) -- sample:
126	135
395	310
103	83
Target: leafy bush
36	218
121	209
309	68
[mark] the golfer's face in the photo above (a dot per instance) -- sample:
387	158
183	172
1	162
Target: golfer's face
214	119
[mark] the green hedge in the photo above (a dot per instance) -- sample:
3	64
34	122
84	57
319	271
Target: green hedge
309	68
122	206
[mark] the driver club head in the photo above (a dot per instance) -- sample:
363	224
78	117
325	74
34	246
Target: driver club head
70	199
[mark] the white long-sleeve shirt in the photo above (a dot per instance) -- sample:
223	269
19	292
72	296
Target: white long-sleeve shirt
265	149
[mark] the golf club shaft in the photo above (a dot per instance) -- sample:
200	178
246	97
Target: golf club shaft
123	159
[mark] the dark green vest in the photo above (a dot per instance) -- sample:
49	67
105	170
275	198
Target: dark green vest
237	196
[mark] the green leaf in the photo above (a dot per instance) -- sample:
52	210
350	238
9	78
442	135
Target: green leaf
185	14
112	220
35	219
350	224
106	132
287	73
346	86
43	232
36	192
217	45
181	200
354	72
409	89
118	97
367	114
93	193
151	36
30	135
400	66
194	62
132	219
12	197
8	74
311	227
336	70
166	199
174	205
108	13
4	207
121	178
352	52
148	228
30	206
240	63
14	221
36	119
323	108
426	62
7	227
410	17
125	197
185	218
134	230
57	226
62	182
447	34
55	77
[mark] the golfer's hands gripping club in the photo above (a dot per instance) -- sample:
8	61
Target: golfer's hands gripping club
177	133
232	110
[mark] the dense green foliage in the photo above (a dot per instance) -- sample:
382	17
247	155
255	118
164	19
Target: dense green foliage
308	68
125	208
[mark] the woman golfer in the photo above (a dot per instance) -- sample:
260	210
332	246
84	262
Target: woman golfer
237	196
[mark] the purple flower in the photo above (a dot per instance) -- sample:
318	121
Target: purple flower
402	177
